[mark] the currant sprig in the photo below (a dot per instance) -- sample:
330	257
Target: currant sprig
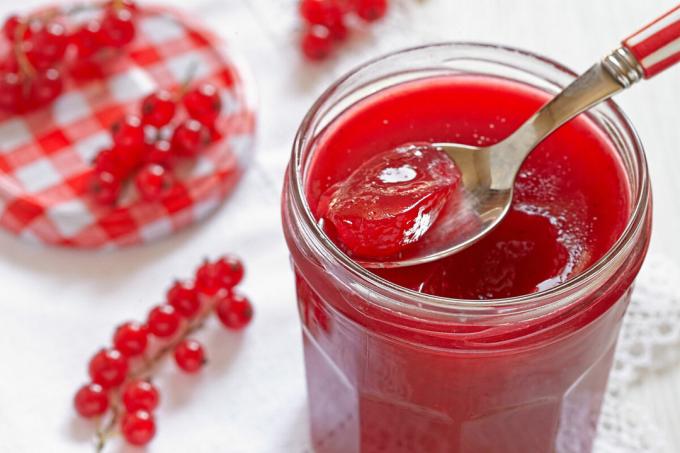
45	47
170	126
327	22
121	375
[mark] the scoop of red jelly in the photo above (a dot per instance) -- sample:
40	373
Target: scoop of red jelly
389	202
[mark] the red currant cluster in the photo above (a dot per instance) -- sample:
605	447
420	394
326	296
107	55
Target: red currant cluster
150	143
120	375
327	22
43	47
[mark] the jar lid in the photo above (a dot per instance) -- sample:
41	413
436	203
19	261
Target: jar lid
46	156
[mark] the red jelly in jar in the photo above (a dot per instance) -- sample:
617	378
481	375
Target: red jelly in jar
503	347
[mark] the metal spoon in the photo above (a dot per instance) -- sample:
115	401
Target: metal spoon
489	172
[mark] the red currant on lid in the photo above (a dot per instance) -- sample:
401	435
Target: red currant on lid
50	43
163	321
140	394
46	87
153	182
158	109
11	92
107	161
106	187
159	152
128	132
83	69
317	43
189	138
138	427
87	39
10	64
190	356
118	28
108	368
11	26
129	142
371	10
91	400
184	297
204	103
131	338
234	311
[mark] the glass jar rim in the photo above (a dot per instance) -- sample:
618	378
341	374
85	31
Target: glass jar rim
424	301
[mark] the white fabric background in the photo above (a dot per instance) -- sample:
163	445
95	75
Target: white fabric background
60	306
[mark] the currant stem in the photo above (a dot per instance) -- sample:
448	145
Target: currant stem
24	64
108	431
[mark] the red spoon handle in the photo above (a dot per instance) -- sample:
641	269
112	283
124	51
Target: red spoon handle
657	45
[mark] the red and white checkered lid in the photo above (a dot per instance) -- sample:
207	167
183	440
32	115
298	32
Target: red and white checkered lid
45	156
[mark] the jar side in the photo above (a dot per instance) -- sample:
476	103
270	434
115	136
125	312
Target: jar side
393	370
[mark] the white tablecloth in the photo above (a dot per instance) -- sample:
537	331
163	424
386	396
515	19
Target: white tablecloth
60	306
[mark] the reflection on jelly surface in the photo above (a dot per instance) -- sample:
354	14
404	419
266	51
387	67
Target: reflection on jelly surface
571	198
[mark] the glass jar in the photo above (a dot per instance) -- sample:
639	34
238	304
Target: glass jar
394	370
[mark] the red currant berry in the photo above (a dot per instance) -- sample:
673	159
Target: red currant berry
138	427
140	395
91	401
204	103
158	109
105	187
321	12
185	299
317	43
11	92
129	132
10	64
190	356
33	56
47	86
153	182
235	311
159	153
189	138
163	321
83	69
108	368
230	270
50	43
11	26
87	39
118	28
208	280
107	161
371	10
129	139
131	339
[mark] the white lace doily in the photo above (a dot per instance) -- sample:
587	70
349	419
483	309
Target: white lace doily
649	341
